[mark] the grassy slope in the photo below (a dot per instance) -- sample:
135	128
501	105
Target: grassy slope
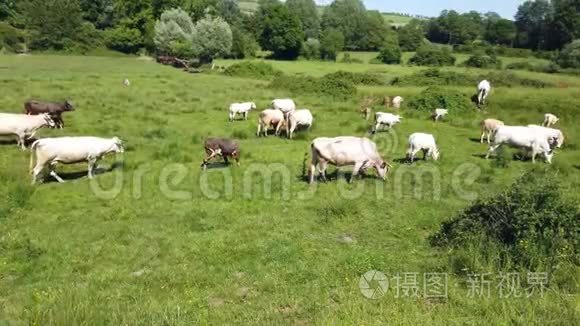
69	257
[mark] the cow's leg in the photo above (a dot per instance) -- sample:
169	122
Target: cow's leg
489	132
356	170
246	115
376	127
548	157
259	129
278	128
483	132
52	167
492	149
534	153
91	166
322	165
22	141
37	171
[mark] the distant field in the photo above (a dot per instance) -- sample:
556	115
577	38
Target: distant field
255	244
397	19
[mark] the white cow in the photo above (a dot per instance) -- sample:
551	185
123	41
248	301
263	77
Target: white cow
422	142
525	138
397	100
241	108
270	118
126	82
439	114
549	120
387	119
69	150
23	126
555	136
298	118
362	153
285	105
483	90
488	127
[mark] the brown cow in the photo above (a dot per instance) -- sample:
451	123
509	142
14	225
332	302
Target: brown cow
223	147
55	110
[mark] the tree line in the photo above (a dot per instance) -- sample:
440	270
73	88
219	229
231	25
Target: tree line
205	29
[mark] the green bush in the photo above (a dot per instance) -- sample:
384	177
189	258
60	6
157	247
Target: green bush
390	52
244	45
508	79
347	58
434	77
483	61
124	39
433	56
12	39
570	56
251	69
520	66
530	224
333	87
357	78
437	97
311	49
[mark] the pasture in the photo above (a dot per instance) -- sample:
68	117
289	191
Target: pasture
156	240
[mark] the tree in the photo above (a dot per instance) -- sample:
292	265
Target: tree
532	22
311	49
501	31
377	31
452	28
98	12
307	12
133	15
244	45
55	22
212	37
390	51
174	26
229	11
198	9
281	31
331	44
160	6
350	18
570	56
411	36
124	39
429	55
7	9
564	23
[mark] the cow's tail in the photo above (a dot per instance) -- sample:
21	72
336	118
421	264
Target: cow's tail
32	153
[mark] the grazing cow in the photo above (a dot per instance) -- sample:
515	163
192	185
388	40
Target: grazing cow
488	127
241	108
221	147
483	89
126	82
270	118
285	105
298	118
550	120
422	142
438	114
366	112
362	153
23	126
397	101
525	138
70	150
387	119
552	134
54	109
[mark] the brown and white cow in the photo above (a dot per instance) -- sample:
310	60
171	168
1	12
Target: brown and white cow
221	147
55	110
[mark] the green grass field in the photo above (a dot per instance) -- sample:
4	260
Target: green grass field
163	242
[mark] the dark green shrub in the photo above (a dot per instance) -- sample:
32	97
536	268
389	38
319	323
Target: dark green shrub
530	224
252	69
436	97
357	78
433	56
390	52
12	39
347	58
311	49
434	77
520	66
124	39
570	56
323	86
483	61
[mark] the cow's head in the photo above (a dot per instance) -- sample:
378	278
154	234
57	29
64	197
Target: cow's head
383	168
435	154
117	145
253	106
68	106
